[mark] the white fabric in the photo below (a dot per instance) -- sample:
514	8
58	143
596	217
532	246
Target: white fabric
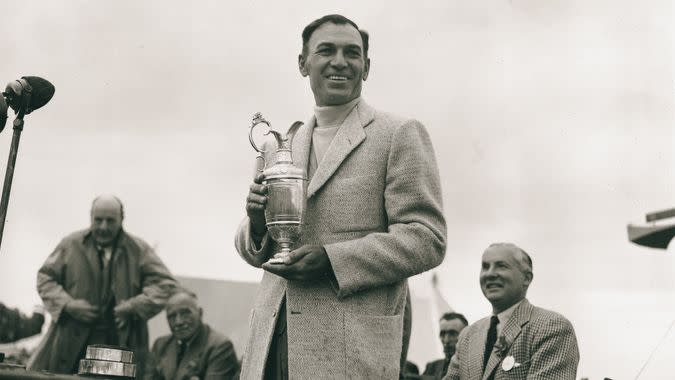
328	122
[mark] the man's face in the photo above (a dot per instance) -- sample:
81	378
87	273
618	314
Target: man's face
106	221
501	279
335	63
184	316
449	334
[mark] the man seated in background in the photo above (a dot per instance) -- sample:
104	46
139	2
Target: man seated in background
193	350
451	324
519	340
14	325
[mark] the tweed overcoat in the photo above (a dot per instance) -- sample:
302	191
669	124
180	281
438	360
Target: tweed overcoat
210	356
542	343
139	281
374	203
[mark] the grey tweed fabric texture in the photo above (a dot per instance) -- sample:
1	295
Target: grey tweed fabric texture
375	205
541	342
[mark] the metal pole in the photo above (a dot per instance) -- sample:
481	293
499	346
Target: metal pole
9	173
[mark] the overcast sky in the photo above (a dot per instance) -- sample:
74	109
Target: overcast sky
552	125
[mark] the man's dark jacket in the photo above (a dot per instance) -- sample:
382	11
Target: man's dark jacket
209	356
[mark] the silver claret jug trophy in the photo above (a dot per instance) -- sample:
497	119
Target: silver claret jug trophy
286	189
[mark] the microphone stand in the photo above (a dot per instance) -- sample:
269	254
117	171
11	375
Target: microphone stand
9	173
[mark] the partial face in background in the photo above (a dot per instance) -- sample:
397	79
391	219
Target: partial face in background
503	278
184	316
106	220
335	63
449	333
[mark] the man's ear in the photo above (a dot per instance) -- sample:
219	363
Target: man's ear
528	278
301	65
366	69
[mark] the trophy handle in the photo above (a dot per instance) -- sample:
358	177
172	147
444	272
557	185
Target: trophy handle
258	119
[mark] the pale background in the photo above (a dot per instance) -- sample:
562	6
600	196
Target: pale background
552	122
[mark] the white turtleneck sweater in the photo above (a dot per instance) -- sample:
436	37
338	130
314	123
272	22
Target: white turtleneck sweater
329	119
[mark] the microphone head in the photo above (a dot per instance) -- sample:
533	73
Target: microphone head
3	112
43	91
29	92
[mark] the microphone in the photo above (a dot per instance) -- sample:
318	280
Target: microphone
26	94
3	113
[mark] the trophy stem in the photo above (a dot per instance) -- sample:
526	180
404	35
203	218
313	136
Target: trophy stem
280	256
285	249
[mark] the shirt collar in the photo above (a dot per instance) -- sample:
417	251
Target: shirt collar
506	314
331	116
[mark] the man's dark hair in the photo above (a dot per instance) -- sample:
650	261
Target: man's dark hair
335	19
452	315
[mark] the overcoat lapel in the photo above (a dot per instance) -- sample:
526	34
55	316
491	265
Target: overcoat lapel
170	359
520	317
95	267
348	137
477	349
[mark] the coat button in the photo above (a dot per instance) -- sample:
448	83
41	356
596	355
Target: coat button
274	313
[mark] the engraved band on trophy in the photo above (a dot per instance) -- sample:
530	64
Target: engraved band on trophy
286	189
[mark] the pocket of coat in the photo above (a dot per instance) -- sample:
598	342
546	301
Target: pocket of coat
373	345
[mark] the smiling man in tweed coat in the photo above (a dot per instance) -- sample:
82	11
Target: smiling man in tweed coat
527	342
334	309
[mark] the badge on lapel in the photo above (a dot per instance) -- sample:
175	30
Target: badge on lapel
509	363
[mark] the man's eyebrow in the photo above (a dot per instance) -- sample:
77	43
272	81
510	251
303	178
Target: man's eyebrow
325	44
353	46
494	262
332	45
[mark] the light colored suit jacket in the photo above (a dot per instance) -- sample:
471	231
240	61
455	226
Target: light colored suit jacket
374	204
542	342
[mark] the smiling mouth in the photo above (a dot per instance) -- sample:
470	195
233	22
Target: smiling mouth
493	286
337	77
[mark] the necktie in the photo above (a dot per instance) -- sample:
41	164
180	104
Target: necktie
491	339
104	261
182	346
